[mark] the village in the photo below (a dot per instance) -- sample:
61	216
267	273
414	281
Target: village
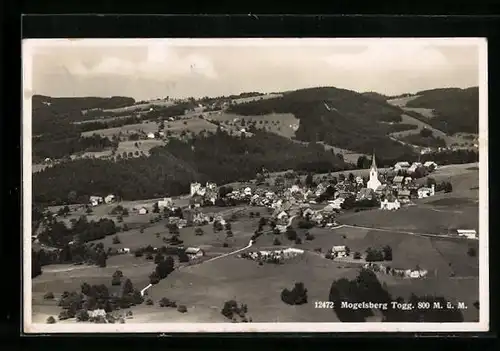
313	202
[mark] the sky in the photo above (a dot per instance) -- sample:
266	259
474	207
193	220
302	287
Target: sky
147	69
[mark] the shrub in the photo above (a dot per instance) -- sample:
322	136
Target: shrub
182	309
225	245
49	296
164	302
229	234
51	320
309	236
198	231
82	316
297	296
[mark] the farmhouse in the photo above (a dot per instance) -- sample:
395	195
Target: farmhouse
143	211
109	199
390	203
96	200
404	195
467	233
166	202
339	251
426	192
151	135
194	252
359	180
430	165
401	166
398	181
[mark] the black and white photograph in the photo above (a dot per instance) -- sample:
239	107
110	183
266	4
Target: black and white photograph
255	185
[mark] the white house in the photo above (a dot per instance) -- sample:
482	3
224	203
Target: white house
97	313
195	188
166	202
401	165
467	233
359	180
373	182
430	164
109	199
194	252
247	191
339	251
143	211
151	135
282	217
426	192
95	200
390	203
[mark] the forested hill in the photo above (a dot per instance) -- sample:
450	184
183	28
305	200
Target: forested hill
456	110
339	117
170	169
51	112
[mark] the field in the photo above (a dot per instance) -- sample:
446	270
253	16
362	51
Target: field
143	146
254	98
427	113
147	127
191	125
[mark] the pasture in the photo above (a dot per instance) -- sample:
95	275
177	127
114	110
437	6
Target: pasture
284	124
143	146
146	127
142	107
192	125
205	287
256	98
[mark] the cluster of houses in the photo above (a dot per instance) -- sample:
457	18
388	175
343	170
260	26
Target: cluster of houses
97	200
402	273
275	256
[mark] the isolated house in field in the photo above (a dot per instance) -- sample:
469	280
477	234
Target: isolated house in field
390	203
467	233
151	135
95	200
426	192
194	252
339	251
109	199
143	211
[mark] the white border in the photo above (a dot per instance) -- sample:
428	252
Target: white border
483	325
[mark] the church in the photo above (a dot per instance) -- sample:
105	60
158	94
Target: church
373	182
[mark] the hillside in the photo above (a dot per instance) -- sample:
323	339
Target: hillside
455	110
338	117
169	170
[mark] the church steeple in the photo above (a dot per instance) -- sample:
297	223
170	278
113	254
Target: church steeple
374	164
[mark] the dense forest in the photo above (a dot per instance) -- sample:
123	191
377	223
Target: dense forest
170	169
456	110
338	117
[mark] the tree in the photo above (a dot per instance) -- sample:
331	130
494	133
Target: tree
89	210
357	255
51	320
164	268
296	296
342	177
156	208
116	279
183	257
101	259
128	287
291	234
309	179
158	258
431	181
387	252
82	316
116	240
472	252
48	296
182	309
351	177
198	231
426	133
276	242
154	278
448	188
